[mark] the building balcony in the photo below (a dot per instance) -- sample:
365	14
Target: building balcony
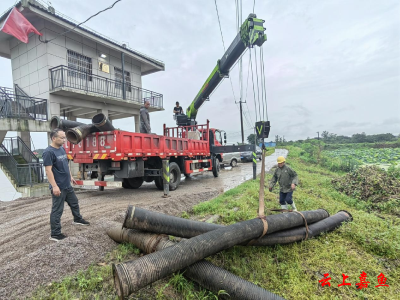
70	82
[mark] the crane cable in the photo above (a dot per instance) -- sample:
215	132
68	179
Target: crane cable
265	88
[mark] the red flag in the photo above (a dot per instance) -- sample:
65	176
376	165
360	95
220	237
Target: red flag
18	26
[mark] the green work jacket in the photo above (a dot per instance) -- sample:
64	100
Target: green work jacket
285	176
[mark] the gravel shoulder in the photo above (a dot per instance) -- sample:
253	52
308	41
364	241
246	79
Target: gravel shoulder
29	259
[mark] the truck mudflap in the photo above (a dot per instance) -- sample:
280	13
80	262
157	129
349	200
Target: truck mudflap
99	183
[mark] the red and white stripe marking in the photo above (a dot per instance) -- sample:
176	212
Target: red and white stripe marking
189	162
99	183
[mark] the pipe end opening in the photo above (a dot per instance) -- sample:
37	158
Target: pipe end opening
73	136
98	119
54	123
128	215
350	215
326	211
117	282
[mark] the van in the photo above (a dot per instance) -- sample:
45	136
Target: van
230	159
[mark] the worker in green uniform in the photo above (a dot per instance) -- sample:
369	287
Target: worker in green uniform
288	181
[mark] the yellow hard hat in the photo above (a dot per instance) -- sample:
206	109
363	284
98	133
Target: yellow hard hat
281	159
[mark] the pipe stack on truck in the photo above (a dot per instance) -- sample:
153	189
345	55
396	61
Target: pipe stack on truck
186	149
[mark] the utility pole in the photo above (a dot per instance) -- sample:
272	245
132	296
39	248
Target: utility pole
318	134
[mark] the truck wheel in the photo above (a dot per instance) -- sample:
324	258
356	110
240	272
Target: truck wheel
174	176
159	183
234	163
215	168
125	184
135	182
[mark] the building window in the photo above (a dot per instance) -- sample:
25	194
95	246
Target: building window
81	63
118	79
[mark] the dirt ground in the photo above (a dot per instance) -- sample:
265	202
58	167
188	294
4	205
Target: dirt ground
29	259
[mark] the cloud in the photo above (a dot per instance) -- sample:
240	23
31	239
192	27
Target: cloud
326	63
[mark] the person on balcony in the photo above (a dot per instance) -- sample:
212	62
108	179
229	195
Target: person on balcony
145	118
60	178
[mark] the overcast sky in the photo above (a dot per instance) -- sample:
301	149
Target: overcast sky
330	65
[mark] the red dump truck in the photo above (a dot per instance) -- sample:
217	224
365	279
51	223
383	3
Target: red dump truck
188	148
137	157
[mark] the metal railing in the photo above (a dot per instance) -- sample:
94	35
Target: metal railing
63	76
16	146
21	106
23	174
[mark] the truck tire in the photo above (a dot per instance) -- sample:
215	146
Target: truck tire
174	178
135	182
174	175
215	168
159	183
125	184
234	163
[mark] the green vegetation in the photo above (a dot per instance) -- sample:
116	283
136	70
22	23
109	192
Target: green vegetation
379	189
369	156
370	243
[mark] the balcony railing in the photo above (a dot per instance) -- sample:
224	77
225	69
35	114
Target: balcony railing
21	106
66	77
23	174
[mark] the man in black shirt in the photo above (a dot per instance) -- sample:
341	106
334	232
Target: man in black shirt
178	109
60	178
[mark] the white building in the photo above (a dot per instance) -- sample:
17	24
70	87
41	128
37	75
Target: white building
68	72
80	72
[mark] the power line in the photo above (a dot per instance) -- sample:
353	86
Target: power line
46	41
220	29
223	44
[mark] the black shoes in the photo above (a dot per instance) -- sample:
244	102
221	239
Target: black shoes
58	237
81	222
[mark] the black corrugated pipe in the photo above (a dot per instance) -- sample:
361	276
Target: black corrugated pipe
146	220
57	122
102	122
203	272
299	234
77	134
133	275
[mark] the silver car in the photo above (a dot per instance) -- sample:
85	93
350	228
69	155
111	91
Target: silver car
230	159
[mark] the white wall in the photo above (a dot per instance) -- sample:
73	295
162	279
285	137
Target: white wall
31	62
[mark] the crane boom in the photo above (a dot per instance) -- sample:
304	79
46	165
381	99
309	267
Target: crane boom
251	33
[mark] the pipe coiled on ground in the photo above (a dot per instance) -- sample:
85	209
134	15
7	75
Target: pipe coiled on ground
203	272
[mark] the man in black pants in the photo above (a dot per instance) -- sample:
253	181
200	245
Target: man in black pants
60	178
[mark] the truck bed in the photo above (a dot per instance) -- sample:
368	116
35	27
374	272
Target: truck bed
121	145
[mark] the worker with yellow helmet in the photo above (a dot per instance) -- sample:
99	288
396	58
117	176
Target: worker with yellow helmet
288	181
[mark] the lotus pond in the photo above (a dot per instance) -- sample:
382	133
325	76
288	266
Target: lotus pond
368	156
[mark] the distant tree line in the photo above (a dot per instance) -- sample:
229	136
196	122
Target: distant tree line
332	138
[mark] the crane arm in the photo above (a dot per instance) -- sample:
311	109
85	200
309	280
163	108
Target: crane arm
251	33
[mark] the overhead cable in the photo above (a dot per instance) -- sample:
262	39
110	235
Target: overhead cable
65	32
254	92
